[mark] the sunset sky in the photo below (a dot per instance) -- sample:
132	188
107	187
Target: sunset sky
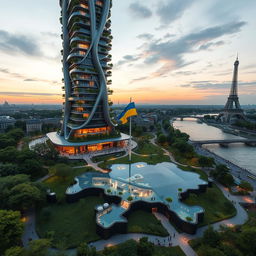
164	51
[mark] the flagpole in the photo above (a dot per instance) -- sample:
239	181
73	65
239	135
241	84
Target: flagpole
130	146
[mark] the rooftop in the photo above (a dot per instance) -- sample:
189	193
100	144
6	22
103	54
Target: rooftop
60	140
150	183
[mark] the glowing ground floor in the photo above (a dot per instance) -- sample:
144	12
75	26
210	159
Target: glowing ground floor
75	148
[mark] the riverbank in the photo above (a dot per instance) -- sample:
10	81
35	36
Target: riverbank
237	171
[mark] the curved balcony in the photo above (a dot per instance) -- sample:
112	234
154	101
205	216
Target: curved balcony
80	15
75	55
80	39
82	71
85	92
77	98
77	30
77	119
81	7
71	4
80	24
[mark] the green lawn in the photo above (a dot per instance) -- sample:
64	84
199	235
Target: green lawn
216	206
59	185
153	159
181	157
149	148
71	224
145	222
97	159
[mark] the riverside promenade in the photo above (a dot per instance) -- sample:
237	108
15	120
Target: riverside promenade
236	171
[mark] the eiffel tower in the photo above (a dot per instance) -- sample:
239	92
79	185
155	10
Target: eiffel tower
232	110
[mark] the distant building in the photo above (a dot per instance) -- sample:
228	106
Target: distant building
146	120
5	122
52	121
34	125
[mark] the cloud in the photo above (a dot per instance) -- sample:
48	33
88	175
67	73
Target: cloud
138	79
140	11
171	10
145	36
50	34
27	94
126	59
210	45
25	78
18	43
214	85
170	54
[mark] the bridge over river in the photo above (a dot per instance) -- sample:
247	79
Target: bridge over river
249	142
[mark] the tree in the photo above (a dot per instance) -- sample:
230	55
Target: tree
206	250
24	196
11	229
144	247
8	154
85	250
61	170
47	151
31	167
161	138
16	134
129	248
205	161
8	169
39	247
15	251
6	141
247	241
211	237
246	186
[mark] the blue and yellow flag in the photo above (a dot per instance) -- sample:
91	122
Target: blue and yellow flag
129	111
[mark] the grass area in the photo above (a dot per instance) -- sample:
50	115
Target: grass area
148	148
181	158
97	159
71	224
76	163
145	222
152	159
217	206
59	185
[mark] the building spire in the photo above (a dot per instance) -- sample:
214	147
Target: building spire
237	56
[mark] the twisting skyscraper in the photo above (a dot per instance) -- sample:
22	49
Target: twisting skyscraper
87	38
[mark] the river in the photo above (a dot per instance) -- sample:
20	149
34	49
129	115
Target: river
240	154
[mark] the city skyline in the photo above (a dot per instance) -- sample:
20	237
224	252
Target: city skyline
180	53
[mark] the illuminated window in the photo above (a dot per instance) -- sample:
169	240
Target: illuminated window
91	83
84	6
99	3
83	46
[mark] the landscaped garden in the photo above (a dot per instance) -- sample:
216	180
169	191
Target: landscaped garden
145	222
237	240
217	207
142	247
149	159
